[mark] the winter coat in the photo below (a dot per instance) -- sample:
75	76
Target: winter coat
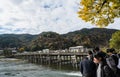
106	71
88	68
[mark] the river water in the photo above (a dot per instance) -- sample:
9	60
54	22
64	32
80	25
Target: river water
19	68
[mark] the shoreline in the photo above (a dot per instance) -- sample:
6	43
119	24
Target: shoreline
3	59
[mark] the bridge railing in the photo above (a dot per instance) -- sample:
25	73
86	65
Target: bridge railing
53	53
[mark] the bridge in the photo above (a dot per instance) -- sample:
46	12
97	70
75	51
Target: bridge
61	58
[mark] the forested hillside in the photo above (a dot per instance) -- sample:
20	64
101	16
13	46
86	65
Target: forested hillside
51	40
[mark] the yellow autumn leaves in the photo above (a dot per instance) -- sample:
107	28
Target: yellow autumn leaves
99	12
115	40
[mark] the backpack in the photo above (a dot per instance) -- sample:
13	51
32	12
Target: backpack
111	63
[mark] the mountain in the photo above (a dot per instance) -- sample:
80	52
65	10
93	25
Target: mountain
51	40
91	37
15	40
85	37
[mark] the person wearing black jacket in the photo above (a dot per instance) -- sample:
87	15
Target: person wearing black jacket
111	54
87	66
103	69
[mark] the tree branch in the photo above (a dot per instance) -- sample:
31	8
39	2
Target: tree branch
102	6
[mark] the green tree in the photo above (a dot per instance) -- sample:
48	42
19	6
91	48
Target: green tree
99	12
115	41
7	53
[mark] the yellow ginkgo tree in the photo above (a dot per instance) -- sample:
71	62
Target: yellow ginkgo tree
99	12
115	40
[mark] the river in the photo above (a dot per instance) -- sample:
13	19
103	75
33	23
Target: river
19	68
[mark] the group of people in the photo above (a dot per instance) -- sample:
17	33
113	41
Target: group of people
101	64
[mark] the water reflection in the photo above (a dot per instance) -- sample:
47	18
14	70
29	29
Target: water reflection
19	68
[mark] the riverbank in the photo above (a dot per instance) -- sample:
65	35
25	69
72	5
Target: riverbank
3	59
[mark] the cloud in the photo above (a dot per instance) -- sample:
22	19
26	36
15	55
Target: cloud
17	2
36	16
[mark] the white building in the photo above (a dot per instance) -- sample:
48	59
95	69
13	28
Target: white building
14	51
76	49
45	51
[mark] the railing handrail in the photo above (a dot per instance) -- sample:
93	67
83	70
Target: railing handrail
53	53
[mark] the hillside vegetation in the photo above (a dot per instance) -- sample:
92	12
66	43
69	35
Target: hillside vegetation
51	40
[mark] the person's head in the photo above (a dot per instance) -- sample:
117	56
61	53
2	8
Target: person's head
90	52
110	51
98	57
113	50
96	49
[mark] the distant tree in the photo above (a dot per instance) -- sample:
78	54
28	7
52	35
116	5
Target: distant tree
36	48
7	53
115	40
99	12
21	49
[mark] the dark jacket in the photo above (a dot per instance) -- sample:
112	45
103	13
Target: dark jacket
106	71
115	59
88	68
117	72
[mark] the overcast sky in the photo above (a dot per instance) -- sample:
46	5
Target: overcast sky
36	16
